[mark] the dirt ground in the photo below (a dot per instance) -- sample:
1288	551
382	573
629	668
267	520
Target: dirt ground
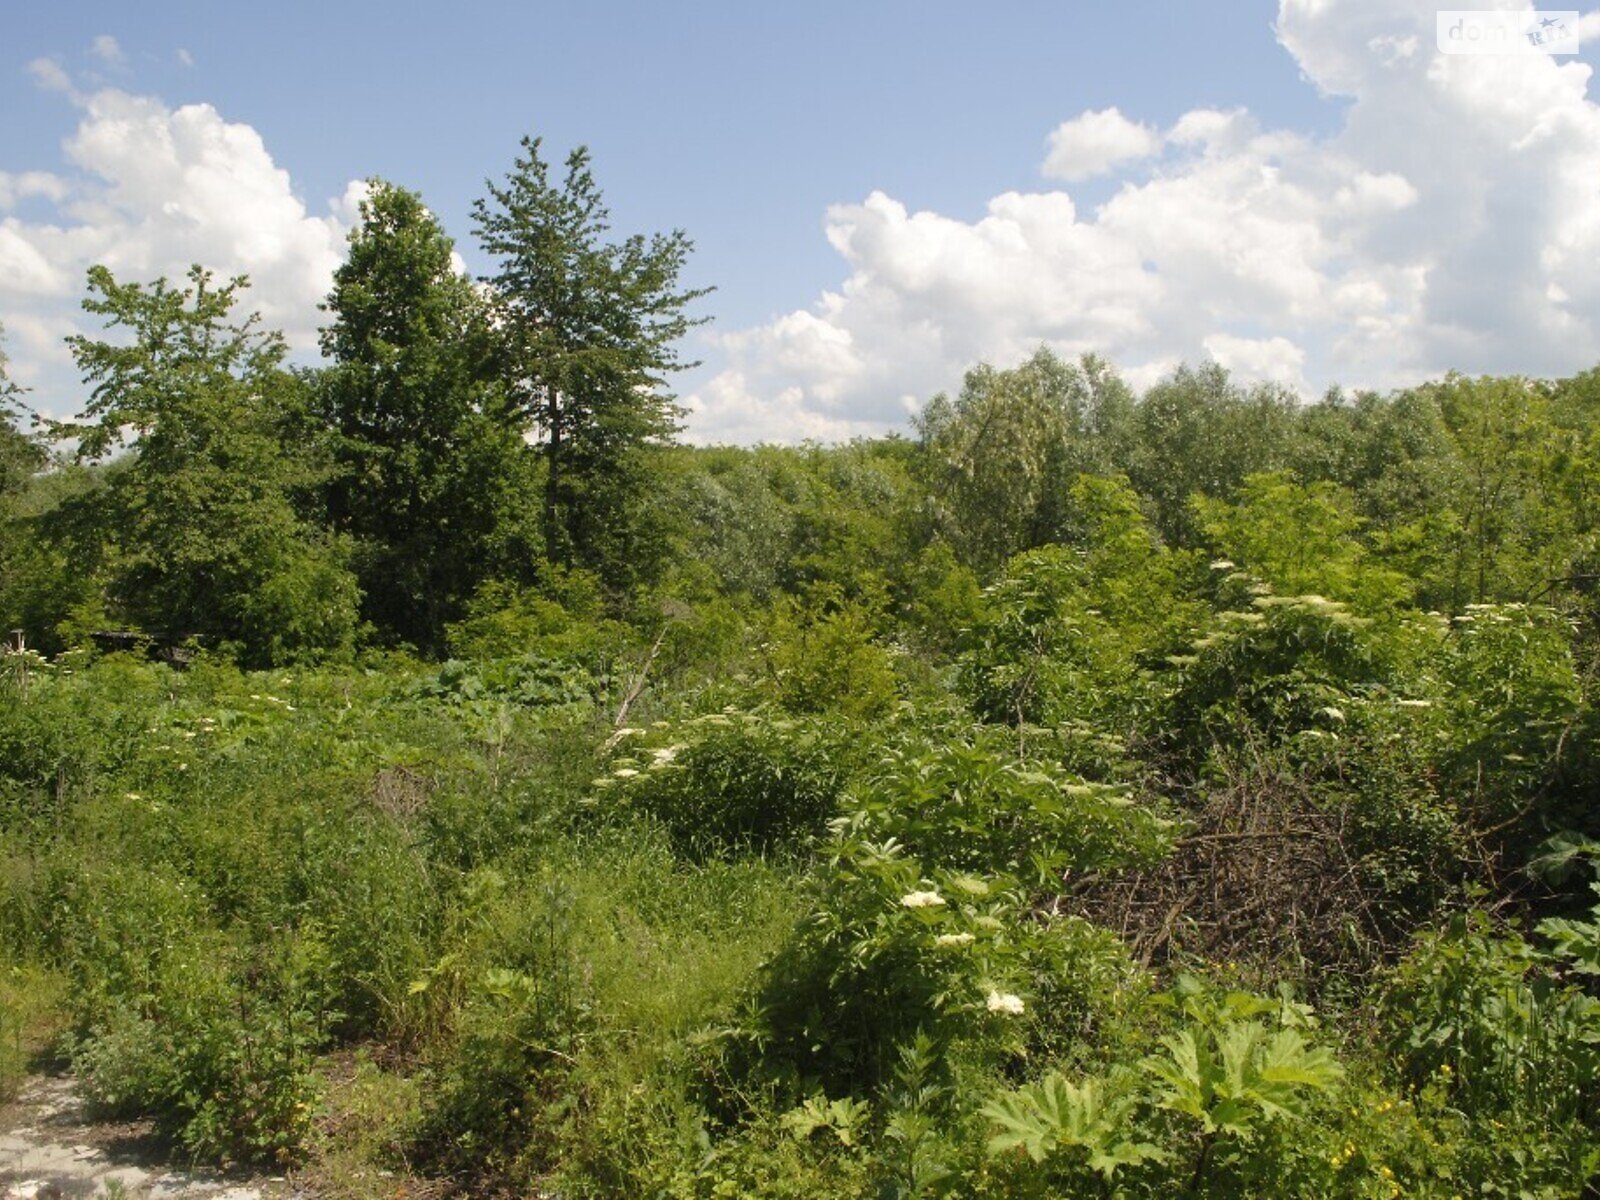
50	1150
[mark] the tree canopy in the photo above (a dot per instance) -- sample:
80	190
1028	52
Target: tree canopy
434	481
207	532
588	329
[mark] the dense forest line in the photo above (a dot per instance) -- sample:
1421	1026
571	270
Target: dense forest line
1186	793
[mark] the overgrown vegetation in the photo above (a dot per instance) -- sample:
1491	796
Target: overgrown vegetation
421	765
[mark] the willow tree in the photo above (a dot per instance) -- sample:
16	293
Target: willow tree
588	332
1000	458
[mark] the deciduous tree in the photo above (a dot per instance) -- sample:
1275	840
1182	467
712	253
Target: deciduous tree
208	538
435	481
1001	457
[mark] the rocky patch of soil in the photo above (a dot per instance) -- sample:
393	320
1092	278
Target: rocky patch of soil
51	1150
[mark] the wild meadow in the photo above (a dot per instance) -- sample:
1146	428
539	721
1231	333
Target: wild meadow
421	774
1128	874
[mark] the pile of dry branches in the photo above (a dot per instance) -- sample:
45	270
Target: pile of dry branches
1268	871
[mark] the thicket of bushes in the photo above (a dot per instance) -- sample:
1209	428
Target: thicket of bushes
1157	881
1189	794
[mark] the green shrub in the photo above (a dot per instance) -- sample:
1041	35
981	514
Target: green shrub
1038	655
219	1052
564	997
532	680
305	606
964	801
562	618
125	1065
1377	772
1485	1017
921	922
1300	538
940	600
1192	1115
736	781
1511	697
822	656
507	1073
1068	632
888	951
1280	667
376	910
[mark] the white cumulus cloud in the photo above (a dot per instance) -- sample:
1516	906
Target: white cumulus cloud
147	190
1275	359
19	186
1452	220
1094	142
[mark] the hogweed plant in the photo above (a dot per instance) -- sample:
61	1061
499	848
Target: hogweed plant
1235	1065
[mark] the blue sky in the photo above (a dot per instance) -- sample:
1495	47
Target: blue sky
844	172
